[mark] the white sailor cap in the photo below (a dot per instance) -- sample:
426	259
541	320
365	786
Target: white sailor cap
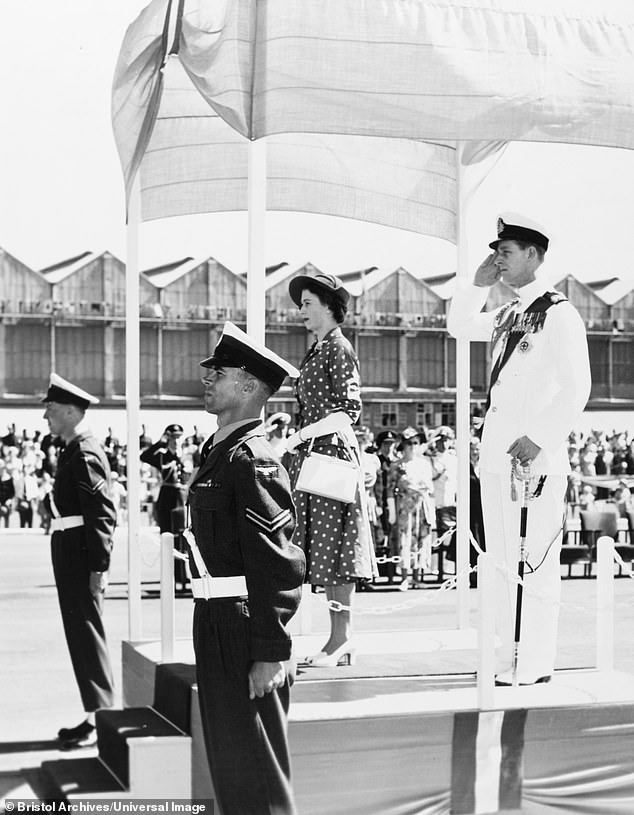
235	349
62	391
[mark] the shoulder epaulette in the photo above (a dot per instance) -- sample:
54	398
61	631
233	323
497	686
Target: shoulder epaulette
556	297
250	441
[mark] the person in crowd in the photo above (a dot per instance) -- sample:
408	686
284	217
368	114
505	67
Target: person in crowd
7	494
586	497
81	544
445	477
27	495
623	499
540	382
43	507
476	520
277	427
371	469
384	545
118	494
166	457
144	440
336	536
411	506
246	580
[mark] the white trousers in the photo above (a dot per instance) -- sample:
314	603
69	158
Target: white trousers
542	575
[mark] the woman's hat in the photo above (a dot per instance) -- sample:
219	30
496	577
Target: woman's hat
325	282
411	433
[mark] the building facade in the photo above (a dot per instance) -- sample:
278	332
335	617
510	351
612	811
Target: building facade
70	317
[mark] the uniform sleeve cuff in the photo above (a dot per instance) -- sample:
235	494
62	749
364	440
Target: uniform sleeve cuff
270	650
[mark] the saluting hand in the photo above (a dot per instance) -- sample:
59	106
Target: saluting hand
265	677
488	273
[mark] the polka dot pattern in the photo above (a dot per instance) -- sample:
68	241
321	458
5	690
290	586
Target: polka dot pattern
335	536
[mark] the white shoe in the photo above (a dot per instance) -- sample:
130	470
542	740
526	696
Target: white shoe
404	584
346	654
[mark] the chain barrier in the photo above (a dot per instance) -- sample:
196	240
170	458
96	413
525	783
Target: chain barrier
451	583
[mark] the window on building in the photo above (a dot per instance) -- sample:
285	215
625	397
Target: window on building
378	360
623	368
390	415
426	361
599	348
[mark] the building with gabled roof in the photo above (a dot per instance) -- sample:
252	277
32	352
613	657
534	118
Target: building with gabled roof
70	316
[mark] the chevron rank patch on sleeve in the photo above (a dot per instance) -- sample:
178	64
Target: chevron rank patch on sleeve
92	489
268	524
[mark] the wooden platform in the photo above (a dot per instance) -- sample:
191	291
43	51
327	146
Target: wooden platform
367	740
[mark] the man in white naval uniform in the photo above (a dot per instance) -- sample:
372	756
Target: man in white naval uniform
540	382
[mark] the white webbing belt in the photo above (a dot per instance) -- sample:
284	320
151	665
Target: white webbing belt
66	522
207	587
210	588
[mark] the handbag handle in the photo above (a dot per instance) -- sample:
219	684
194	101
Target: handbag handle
345	441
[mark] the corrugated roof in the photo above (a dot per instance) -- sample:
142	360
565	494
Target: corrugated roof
65	268
615	290
162	276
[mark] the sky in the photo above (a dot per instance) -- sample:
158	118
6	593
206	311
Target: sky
61	188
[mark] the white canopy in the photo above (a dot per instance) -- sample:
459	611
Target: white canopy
483	70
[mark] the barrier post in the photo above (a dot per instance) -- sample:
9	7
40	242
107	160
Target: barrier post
168	602
605	603
486	632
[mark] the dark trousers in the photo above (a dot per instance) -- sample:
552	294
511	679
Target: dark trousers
246	740
83	624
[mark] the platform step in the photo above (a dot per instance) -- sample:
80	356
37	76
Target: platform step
173	692
118	731
79	777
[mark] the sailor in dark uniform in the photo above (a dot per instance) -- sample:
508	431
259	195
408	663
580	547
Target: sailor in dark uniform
166	456
82	528
246	581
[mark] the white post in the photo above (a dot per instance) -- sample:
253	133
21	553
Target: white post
605	603
168	604
256	273
133	409
463	417
486	632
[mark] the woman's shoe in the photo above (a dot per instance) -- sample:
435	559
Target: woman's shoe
346	654
404	584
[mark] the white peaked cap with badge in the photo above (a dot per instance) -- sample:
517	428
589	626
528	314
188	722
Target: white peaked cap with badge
63	392
513	226
235	349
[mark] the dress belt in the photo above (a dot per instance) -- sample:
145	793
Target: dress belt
211	588
66	522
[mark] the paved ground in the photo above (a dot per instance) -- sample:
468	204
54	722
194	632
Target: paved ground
38	689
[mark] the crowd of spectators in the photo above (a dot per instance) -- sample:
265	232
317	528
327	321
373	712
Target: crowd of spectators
602	470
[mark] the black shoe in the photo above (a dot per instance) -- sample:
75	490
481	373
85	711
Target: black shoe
503	682
83	735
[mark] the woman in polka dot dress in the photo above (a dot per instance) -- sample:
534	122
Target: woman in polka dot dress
335	536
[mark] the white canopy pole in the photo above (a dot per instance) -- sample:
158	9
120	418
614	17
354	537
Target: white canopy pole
463	418
257	240
133	401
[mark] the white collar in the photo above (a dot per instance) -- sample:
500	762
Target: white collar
531	291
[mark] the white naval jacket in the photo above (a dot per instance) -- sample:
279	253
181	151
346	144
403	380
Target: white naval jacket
541	390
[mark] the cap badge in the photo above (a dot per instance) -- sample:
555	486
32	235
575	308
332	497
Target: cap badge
501	226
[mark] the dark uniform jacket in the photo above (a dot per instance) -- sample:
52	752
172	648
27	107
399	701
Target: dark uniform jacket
243	517
81	488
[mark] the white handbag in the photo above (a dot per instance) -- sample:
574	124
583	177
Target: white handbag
329	476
